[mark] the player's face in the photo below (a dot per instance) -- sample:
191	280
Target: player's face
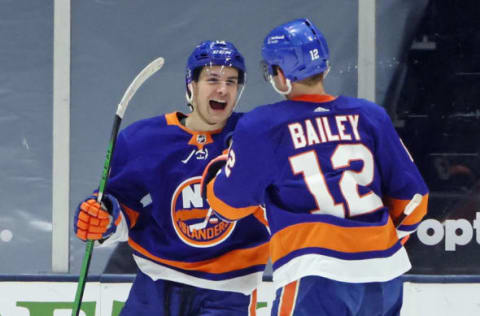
214	95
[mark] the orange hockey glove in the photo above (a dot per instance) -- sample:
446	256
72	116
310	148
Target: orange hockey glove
94	221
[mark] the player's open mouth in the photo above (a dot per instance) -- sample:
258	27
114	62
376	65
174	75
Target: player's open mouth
217	105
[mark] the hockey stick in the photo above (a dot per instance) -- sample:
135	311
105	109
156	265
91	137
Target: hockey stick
146	73
409	208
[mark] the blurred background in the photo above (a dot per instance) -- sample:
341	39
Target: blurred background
426	73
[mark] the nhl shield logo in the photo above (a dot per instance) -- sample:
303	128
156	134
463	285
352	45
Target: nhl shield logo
201	139
188	208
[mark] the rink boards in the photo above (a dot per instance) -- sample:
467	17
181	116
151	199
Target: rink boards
52	295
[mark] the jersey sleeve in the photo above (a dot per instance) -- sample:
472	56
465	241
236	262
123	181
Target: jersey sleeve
401	179
123	182
239	188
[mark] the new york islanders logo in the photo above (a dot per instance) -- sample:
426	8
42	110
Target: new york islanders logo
189	209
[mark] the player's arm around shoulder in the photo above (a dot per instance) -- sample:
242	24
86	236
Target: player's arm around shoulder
214	167
236	189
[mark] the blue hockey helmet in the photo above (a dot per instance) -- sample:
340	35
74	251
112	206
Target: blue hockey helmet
215	53
298	48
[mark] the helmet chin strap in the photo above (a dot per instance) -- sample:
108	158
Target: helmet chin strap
239	95
325	73
289	86
289	83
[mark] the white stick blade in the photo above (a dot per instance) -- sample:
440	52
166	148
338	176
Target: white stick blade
146	73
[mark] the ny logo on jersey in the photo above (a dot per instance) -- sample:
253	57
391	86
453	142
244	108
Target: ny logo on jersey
191	219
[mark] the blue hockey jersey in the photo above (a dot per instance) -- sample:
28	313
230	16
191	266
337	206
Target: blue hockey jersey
156	173
334	176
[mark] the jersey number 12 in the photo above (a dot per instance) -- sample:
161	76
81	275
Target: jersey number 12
307	164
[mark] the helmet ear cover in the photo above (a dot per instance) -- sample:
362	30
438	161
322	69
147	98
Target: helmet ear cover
268	70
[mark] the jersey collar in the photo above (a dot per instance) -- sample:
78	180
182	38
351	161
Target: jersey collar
314	98
198	139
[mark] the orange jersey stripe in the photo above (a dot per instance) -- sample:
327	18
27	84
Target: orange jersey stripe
396	208
224	209
195	213
252	309
260	216
287	301
119	219
232	261
314	98
329	236
131	214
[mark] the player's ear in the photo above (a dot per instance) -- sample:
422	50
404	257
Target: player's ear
189	92
281	77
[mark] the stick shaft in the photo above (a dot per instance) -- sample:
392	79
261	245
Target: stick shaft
146	73
108	158
82	279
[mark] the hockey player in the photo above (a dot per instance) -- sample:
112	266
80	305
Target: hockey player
189	263
334	178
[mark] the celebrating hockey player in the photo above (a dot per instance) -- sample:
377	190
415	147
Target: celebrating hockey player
334	178
189	263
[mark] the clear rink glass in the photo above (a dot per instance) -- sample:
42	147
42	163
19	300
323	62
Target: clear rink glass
439	129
